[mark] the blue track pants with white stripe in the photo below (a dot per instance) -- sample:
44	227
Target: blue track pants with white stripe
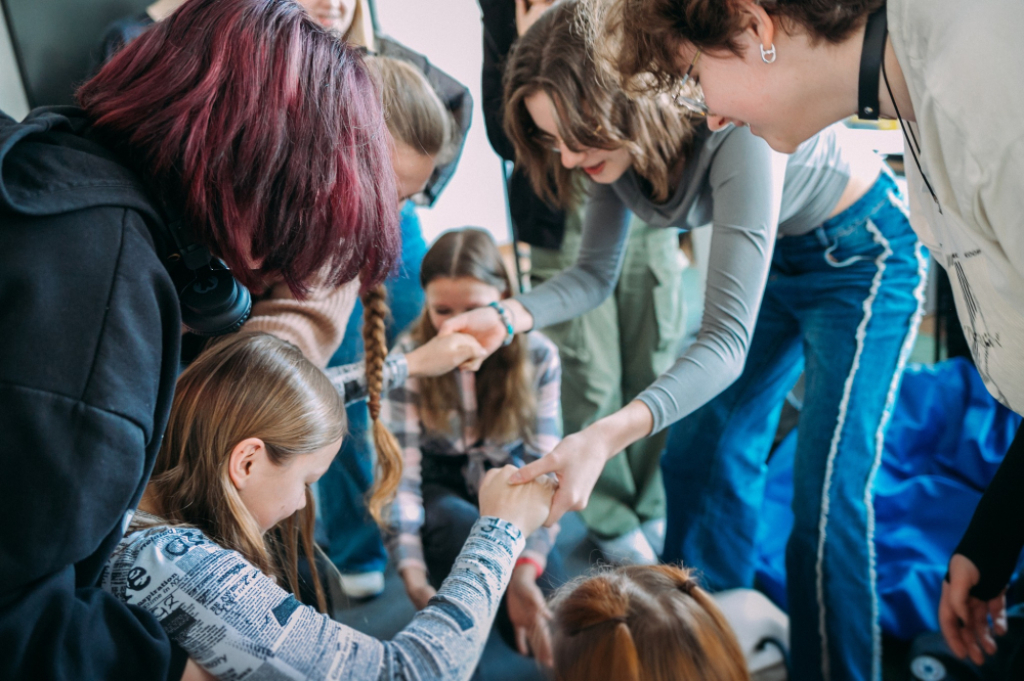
842	304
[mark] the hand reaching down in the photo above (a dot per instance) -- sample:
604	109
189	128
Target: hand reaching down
530	616
964	619
417	588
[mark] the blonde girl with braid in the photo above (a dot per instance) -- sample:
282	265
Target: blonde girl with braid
455	427
424	138
212	552
642	623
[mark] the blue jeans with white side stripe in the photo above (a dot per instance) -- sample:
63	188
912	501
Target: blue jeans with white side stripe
842	303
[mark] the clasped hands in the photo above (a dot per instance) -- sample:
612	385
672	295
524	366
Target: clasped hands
526	506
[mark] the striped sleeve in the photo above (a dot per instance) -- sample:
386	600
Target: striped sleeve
400	413
350	379
237	623
547	428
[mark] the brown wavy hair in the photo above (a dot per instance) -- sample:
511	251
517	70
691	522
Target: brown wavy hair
250	385
555	57
642	37
642	623
506	403
388	469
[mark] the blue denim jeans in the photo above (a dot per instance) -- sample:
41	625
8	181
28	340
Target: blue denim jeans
842	304
354	541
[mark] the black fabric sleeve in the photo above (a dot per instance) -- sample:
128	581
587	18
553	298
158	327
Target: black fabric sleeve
995	537
88	359
534	220
499	20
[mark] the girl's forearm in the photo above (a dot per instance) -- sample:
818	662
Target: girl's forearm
626	426
522	320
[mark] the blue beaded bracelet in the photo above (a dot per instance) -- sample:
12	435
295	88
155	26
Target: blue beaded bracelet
506	318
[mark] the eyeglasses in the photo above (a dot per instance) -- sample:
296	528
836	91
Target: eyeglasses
689	94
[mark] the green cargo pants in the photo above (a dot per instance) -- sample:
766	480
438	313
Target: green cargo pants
610	354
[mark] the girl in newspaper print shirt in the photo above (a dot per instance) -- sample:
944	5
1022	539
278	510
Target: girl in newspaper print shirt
252	426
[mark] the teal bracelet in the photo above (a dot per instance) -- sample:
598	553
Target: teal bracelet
506	318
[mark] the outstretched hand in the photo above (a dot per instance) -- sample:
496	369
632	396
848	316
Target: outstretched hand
442	354
964	620
525	506
577	463
578	460
486	326
193	672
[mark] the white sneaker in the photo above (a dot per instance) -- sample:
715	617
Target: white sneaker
632	548
362	584
654	530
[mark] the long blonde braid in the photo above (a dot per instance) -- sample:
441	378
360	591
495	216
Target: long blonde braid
389	454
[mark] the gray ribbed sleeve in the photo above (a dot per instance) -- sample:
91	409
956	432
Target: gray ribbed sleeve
734	181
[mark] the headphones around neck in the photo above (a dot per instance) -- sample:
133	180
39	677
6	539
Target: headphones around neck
213	302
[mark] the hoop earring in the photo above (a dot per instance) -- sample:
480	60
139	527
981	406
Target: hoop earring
768	56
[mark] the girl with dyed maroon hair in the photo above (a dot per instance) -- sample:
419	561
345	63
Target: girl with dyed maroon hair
266	130
263	132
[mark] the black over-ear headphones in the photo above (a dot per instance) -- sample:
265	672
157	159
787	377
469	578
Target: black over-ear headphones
213	303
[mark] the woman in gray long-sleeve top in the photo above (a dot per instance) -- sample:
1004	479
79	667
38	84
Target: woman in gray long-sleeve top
815	247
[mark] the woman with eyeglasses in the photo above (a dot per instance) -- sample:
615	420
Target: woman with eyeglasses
789	68
815	248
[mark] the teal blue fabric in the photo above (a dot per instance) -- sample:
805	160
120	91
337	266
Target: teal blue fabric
354	541
947	438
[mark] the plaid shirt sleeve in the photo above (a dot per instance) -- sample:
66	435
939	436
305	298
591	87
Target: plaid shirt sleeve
547	428
400	413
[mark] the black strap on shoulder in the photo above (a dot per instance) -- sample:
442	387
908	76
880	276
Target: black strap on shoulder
870	64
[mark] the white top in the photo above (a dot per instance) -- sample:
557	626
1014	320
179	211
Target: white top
964	66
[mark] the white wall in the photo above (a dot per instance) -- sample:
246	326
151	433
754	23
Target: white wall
448	32
12	94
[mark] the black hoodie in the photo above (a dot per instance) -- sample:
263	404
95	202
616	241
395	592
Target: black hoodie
89	345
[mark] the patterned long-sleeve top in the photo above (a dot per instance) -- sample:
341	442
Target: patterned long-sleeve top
236	622
350	379
401	413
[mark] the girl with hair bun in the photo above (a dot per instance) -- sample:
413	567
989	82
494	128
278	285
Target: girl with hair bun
951	73
642	623
212	553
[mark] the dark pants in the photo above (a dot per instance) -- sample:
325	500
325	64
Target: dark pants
450	511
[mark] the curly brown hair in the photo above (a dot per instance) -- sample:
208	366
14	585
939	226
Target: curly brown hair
643	36
555	57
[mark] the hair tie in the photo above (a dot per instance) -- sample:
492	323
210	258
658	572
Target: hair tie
618	619
688	585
